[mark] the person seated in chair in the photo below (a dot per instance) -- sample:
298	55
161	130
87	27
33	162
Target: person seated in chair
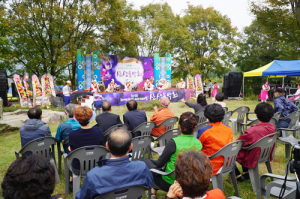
185	141
63	129
118	171
284	105
134	117
161	115
34	127
29	177
216	135
248	159
193	171
106	119
219	99
200	105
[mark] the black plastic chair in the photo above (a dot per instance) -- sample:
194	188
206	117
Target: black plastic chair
200	116
226	118
88	157
168	123
133	192
164	139
239	122
201	125
140	147
44	146
145	128
60	153
124	126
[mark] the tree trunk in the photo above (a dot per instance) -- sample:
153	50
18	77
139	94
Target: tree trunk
73	79
297	12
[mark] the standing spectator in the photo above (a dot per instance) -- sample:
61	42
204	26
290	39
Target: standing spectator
281	104
118	172
210	87
107	119
220	98
186	140
216	135
29	177
67	92
161	115
193	171
64	128
34	127
248	159
134	117
201	103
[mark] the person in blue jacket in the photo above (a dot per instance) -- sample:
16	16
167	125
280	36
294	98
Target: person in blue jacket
118	171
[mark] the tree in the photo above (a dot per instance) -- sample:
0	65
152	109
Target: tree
47	33
158	24
204	42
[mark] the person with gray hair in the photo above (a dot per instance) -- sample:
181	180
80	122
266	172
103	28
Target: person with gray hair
64	128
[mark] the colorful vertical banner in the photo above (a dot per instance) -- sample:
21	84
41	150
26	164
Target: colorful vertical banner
156	69
163	62
88	71
80	70
96	67
168	68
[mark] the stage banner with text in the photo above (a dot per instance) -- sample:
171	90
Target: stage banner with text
156	69
88	71
119	99
135	70
80	71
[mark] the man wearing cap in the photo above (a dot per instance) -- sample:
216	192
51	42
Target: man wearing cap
63	129
161	115
283	105
67	92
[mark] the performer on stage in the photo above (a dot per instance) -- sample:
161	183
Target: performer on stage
161	84
264	92
148	86
94	86
111	86
296	95
214	91
181	84
67	93
127	85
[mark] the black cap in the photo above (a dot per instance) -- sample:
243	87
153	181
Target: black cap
280	90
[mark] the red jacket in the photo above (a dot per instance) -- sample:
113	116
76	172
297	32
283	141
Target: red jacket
247	158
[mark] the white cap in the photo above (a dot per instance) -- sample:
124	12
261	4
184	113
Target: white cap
112	80
68	82
181	79
128	80
94	80
147	80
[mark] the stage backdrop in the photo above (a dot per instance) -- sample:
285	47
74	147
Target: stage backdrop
137	70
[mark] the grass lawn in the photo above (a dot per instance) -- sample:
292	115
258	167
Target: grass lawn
10	141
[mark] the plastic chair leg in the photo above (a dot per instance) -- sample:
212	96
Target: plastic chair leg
52	162
233	127
67	179
76	185
254	177
287	150
268	164
234	182
217	181
59	161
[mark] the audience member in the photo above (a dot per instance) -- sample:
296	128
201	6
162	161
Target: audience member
186	140
34	127
248	159
107	119
210	86
219	99
84	136
284	105
161	115
134	117
200	105
118	172
64	128
193	171
216	135
29	177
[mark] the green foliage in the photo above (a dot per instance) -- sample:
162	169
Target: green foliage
148	106
204	41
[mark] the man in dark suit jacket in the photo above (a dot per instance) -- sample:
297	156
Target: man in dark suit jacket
134	117
107	119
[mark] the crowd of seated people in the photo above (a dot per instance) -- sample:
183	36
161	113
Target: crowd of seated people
210	139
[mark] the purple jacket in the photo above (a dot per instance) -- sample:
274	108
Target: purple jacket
285	106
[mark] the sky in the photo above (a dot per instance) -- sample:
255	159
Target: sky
237	10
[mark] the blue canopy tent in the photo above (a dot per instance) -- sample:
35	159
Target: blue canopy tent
277	68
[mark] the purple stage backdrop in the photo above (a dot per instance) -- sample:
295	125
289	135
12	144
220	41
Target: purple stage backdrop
136	70
119	99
